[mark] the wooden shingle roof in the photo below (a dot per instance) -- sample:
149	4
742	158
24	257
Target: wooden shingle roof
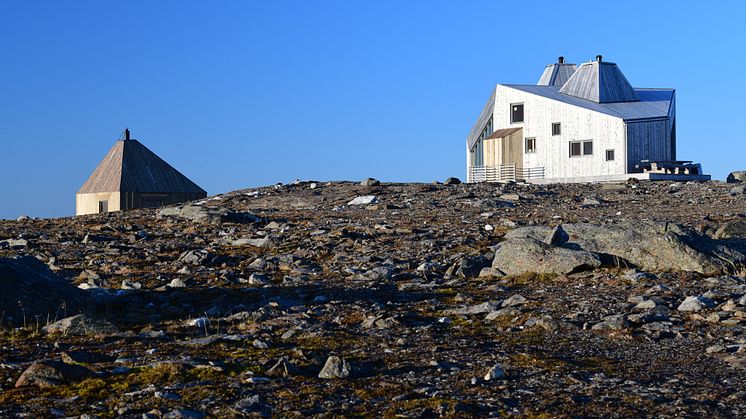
129	166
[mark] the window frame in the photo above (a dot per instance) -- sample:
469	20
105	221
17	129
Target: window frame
586	142
558	125
523	113
526	149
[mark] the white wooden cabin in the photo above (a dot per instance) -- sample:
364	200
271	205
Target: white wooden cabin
577	124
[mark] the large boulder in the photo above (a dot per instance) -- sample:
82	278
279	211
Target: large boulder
649	245
31	289
732	229
736	177
519	255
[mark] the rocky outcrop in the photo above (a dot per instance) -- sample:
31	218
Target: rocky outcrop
46	374
645	244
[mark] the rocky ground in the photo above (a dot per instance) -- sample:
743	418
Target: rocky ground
403	300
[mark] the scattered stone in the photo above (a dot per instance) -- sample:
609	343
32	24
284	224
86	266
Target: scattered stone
364	200
335	367
695	303
495	373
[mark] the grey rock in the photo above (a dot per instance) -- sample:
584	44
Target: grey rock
738	190
364	200
495	373
184	414
545	322
452	181
80	325
614	322
13	243
46	374
695	303
195	257
736	177
335	367
520	255
31	289
177	283
209	215
504	312
490	272
557	236
257	242
514	300
486	307
283	368
591	202
732	229
370	182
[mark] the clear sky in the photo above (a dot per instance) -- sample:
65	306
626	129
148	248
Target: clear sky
237	94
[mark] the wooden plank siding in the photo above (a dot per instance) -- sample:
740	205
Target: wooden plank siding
648	140
577	124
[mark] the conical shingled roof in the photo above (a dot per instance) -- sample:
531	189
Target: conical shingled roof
557	74
129	166
600	82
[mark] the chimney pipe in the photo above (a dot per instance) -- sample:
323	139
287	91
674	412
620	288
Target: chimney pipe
126	134
599	58
561	59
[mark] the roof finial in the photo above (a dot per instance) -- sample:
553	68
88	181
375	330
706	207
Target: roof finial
126	134
561	59
599	58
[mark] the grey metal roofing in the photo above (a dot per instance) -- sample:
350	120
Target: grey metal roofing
601	82
502	133
652	103
129	166
556	74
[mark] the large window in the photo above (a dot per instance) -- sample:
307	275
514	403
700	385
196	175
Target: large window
581	148
530	145
477	154
516	113
556	128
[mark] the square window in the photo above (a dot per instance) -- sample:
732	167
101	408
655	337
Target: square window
516	113
587	148
556	128
103	206
609	155
575	149
530	145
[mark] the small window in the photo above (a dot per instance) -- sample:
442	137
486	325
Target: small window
609	155
587	148
575	149
103	206
530	145
556	128
516	113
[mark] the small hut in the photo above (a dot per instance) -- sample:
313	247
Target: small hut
132	176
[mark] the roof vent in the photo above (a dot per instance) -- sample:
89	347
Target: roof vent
599	58
126	134
561	59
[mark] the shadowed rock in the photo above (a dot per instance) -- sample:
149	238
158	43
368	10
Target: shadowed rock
52	373
517	256
31	289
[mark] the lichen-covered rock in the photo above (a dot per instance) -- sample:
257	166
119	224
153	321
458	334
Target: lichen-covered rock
335	367
81	325
520	255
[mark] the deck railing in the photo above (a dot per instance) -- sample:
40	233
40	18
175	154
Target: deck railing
503	173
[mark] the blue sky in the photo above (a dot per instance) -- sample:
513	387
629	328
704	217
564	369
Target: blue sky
237	94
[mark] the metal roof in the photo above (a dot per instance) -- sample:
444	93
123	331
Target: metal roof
502	133
651	103
556	74
601	82
129	166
